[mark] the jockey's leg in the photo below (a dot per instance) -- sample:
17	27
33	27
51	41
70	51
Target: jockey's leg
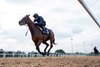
44	29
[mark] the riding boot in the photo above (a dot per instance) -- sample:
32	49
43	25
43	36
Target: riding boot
44	30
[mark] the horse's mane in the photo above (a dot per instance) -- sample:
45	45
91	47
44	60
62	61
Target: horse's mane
32	23
31	20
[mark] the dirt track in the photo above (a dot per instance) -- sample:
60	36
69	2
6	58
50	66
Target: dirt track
51	62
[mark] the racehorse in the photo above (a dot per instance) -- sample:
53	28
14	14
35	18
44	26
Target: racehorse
37	35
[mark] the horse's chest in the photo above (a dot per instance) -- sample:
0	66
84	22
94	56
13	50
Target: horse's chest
34	38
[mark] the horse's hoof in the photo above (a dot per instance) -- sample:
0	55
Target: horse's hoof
47	54
43	53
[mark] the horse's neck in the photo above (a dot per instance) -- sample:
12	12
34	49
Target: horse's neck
31	26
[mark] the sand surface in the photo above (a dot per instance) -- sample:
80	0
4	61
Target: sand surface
51	62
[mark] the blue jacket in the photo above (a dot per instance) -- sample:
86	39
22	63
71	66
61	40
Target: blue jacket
40	21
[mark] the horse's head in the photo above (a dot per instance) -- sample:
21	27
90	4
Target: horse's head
24	20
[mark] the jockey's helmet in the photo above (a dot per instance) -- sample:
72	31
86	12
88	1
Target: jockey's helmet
35	15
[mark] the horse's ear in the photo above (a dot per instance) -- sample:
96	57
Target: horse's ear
28	15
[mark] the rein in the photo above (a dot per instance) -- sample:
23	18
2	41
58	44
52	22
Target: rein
26	32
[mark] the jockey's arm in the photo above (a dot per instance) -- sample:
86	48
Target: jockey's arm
35	21
41	20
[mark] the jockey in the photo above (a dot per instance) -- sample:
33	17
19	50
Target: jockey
40	22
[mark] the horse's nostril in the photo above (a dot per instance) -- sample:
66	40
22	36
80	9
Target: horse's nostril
19	22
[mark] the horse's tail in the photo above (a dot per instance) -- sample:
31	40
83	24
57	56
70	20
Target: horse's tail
52	36
54	42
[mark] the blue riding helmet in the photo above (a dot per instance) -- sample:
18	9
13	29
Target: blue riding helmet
35	15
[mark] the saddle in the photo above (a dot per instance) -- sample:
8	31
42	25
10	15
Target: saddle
46	30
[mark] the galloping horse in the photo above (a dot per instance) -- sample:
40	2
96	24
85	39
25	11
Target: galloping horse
37	36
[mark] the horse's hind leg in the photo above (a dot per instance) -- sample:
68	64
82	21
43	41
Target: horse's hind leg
46	46
51	45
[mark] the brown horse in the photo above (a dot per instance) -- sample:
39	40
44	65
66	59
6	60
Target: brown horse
37	36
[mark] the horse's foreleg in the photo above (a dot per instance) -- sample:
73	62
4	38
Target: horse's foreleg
37	44
46	46
38	49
